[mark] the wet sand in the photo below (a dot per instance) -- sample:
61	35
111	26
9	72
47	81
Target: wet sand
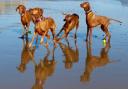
77	66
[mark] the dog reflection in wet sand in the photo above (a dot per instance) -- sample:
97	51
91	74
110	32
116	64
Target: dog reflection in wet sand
93	62
71	55
43	70
27	55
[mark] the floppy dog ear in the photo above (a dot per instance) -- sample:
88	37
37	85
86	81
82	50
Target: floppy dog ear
17	8
41	10
30	10
64	15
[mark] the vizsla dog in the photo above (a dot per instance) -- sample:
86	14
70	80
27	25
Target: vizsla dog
42	28
25	18
93	20
71	21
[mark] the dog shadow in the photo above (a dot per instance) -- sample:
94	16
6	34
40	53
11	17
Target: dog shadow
27	55
71	55
93	62
44	69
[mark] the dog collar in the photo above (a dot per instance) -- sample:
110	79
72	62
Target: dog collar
90	14
22	14
88	11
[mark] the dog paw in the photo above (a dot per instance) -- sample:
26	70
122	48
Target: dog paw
48	36
21	37
75	37
86	40
46	45
55	45
41	43
30	45
57	40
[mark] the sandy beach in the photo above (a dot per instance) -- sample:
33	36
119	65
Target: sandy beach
66	66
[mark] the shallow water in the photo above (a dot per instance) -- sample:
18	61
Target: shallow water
70	67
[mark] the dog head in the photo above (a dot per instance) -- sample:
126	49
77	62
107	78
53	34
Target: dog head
68	65
69	17
85	6
36	11
21	9
21	68
85	77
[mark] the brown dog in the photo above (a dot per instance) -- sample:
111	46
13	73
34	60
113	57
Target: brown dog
25	18
93	20
42	28
71	21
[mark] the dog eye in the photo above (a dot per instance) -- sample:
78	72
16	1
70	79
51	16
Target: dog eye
70	21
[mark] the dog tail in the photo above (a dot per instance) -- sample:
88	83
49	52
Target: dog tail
114	61
116	20
17	8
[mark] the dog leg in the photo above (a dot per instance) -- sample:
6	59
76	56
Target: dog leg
48	36
67	32
63	36
90	35
46	44
32	39
54	38
87	34
67	41
105	30
59	32
36	39
23	33
108	35
53	33
75	36
42	38
77	25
